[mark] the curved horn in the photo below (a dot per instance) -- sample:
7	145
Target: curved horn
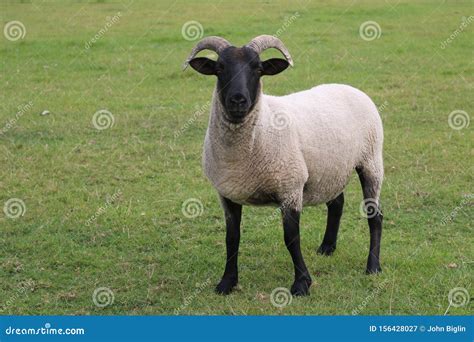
214	43
263	42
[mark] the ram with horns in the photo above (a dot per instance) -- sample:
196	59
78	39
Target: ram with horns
288	151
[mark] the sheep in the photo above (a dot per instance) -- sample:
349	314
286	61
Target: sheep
289	151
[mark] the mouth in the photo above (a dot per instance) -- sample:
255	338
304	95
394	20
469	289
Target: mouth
236	116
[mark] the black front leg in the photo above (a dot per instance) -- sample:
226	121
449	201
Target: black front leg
233	214
291	226
328	246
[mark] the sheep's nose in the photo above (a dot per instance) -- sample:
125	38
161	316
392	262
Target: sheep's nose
238	100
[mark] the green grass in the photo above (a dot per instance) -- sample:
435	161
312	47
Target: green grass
153	258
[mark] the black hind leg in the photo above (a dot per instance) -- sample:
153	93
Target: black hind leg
335	207
371	188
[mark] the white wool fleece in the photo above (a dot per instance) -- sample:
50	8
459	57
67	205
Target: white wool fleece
295	150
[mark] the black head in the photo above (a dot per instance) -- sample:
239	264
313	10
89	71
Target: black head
238	72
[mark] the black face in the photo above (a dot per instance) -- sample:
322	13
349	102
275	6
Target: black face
238	72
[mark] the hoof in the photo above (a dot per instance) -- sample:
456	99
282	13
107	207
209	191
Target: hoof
301	287
373	270
326	249
225	286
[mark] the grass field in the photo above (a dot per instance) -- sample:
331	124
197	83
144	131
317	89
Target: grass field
103	208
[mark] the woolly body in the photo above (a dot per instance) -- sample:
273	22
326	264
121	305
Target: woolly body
295	150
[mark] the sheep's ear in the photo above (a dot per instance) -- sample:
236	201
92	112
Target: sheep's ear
203	65
274	66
